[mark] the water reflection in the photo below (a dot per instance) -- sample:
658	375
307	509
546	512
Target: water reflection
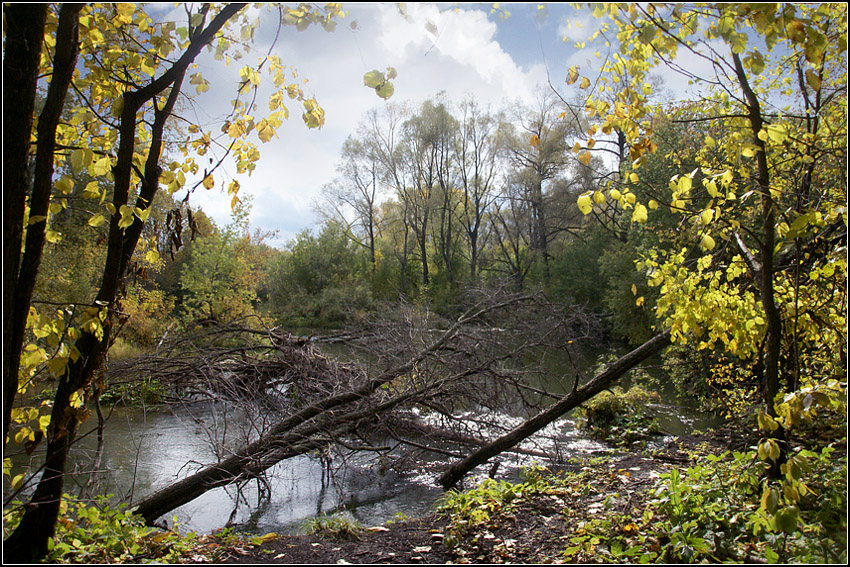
145	451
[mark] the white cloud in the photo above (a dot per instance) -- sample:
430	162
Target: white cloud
464	58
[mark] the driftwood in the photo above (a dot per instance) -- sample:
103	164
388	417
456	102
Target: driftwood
577	397
324	419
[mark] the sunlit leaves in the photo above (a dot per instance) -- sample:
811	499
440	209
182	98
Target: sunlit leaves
126	216
264	131
381	82
96	220
314	115
201	84
584	204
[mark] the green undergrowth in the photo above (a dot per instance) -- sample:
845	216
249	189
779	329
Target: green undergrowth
98	532
340	525
620	418
714	511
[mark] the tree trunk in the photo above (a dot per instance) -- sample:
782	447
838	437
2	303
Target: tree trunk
21	57
765	270
577	397
29	540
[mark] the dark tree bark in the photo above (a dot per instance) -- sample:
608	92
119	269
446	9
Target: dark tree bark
765	270
21	57
29	540
574	399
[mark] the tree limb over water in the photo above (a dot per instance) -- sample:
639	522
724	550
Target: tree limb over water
416	362
574	399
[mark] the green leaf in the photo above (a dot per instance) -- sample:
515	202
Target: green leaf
786	519
374	79
813	79
385	91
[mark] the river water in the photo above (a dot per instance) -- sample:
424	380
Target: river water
147	450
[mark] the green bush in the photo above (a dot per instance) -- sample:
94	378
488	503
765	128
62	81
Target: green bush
618	417
724	509
101	533
339	525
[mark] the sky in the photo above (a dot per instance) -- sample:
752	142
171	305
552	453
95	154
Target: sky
500	59
496	57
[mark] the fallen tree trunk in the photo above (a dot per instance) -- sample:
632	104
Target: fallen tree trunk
577	397
430	431
310	428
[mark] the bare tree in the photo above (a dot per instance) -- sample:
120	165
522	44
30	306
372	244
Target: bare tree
478	149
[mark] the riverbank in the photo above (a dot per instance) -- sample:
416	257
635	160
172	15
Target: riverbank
597	510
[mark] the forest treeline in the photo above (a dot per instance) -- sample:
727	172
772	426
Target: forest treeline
429	200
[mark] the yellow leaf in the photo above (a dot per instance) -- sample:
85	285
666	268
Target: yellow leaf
126	216
65	185
615	194
777	133
97	220
236	129
585	82
599	197
584	158
274	101
633	177
77	400
653	204
639	214
264	131
707	243
535	140
91	191
148	66
18	481
813	79
125	12
584	204
208	182
572	75
101	167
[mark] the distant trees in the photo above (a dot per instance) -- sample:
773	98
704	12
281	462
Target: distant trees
460	193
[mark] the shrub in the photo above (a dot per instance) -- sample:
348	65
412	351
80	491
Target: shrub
618	417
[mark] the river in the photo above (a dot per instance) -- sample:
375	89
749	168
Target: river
146	450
